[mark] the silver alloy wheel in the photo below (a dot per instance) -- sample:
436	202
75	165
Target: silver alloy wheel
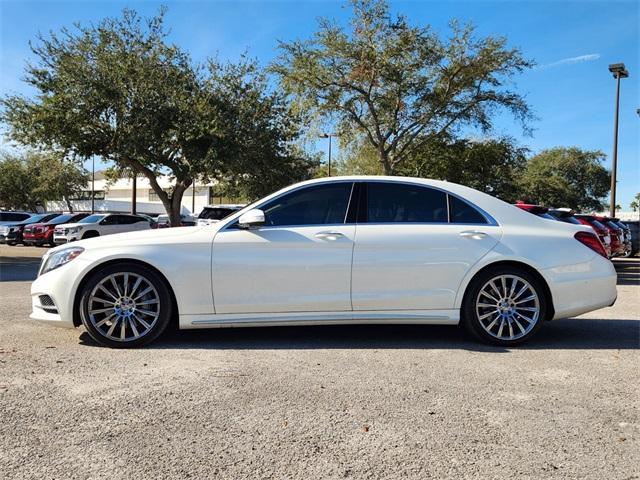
508	307
124	306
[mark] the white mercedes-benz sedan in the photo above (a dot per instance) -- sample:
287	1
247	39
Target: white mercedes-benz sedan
334	251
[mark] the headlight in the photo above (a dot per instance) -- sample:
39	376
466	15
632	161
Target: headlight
74	229
60	258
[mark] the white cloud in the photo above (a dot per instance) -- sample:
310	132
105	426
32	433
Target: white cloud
572	60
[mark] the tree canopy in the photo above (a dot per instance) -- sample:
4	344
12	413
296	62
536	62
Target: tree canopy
400	86
33	178
120	91
566	177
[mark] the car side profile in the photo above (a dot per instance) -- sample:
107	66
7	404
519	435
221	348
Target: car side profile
338	250
98	225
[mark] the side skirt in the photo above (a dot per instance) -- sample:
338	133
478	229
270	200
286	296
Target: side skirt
231	320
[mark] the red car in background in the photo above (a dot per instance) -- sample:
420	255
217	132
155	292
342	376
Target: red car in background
617	235
42	233
603	233
569	216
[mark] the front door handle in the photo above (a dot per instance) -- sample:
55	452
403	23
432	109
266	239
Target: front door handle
475	234
328	235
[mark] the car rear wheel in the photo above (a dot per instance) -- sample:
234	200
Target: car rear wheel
504	306
125	306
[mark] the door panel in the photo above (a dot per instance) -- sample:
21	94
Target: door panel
283	269
415	266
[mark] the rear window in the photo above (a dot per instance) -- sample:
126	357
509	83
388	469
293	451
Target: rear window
216	213
598	225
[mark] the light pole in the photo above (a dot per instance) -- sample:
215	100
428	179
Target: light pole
328	135
93	183
619	72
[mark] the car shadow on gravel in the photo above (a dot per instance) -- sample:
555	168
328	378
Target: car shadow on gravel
557	335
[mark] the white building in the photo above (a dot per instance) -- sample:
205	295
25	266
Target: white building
116	197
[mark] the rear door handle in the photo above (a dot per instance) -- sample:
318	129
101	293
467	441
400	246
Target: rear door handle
328	235
476	235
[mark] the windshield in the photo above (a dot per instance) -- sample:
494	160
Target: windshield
92	219
43	217
62	219
216	213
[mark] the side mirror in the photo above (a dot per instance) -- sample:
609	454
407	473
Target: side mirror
252	219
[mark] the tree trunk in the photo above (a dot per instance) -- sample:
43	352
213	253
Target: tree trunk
384	161
69	206
172	204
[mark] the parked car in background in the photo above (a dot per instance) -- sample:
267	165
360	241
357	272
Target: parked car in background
615	231
98	225
11	233
7	218
602	231
538	210
628	240
214	213
567	215
42	233
185	221
426	252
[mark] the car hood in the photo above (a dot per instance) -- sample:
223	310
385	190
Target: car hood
144	237
71	225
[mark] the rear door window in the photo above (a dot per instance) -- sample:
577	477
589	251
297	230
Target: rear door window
403	203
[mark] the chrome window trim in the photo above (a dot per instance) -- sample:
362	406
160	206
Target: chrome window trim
490	220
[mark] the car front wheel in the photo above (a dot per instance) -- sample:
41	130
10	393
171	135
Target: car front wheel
125	306
504	306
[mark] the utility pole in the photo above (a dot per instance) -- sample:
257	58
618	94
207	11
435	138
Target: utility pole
619	72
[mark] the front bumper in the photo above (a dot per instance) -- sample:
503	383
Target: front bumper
60	286
9	237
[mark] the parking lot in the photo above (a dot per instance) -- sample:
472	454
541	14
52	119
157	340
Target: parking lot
320	402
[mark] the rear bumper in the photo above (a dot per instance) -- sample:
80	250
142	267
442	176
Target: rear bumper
583	287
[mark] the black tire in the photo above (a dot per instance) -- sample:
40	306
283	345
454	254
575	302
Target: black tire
164	309
90	234
470	308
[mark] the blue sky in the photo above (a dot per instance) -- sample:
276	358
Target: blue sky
570	91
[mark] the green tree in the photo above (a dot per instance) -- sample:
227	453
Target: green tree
400	86
120	91
16	184
566	177
491	165
32	179
635	203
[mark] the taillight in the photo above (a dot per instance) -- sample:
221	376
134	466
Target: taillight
591	241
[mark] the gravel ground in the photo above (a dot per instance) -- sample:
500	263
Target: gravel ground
320	402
